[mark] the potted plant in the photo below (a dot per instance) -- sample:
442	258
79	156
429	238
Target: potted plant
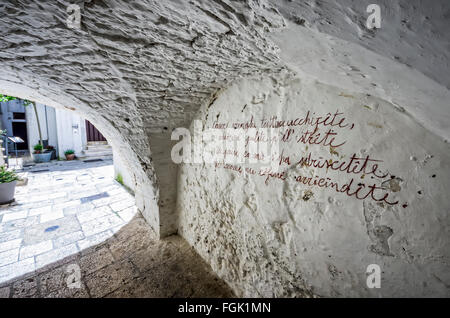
8	180
70	154
52	150
39	155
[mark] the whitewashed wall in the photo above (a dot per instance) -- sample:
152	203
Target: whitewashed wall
285	238
71	132
46	115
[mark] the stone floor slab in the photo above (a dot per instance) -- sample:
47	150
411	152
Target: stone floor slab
14	216
9	257
161	268
35	249
9	245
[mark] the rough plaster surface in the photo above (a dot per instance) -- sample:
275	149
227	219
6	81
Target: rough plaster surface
134	69
290	239
137	69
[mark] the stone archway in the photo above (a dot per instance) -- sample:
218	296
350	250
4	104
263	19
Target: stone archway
138	69
144	80
141	176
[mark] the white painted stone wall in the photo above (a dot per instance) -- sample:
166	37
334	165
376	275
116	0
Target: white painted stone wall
137	69
48	126
64	129
285	238
71	132
120	167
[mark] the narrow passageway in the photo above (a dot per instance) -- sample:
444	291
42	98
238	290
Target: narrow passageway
301	148
64	208
73	215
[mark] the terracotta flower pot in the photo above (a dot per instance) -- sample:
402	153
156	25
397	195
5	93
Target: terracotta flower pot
70	157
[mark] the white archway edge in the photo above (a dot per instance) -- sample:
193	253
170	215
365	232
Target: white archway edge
146	192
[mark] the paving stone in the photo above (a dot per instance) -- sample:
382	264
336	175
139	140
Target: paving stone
35	249
14	216
94	239
9	257
110	278
57	195
68	238
35	199
55	255
96	260
67	292
62	206
61	200
16	269
140	287
4	210
42	232
93	214
9	245
122	248
121	205
120	190
26	205
78	208
100	224
54	215
56	279
63	261
5	292
128	213
25	288
112	198
40	210
84	189
18	224
82	196
152	254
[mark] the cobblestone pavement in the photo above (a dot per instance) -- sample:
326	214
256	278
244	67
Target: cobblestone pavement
132	263
76	214
65	208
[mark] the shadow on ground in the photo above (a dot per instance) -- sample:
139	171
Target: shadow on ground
132	263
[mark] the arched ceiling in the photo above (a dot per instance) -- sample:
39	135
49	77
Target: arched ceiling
148	65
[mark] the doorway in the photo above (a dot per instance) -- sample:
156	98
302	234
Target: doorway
19	129
92	133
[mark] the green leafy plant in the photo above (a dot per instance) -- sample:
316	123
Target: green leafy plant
7	176
6	98
38	148
119	178
69	152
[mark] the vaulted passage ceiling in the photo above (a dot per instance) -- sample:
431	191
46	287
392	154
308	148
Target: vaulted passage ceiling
147	62
138	69
153	62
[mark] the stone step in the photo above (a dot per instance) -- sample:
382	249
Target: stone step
98	147
97	154
103	157
95	150
92	143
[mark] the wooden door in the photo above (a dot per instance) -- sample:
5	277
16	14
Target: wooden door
92	133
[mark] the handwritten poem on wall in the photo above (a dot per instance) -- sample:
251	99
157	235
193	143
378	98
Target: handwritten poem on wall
360	175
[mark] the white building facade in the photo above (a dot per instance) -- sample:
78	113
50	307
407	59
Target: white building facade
59	128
